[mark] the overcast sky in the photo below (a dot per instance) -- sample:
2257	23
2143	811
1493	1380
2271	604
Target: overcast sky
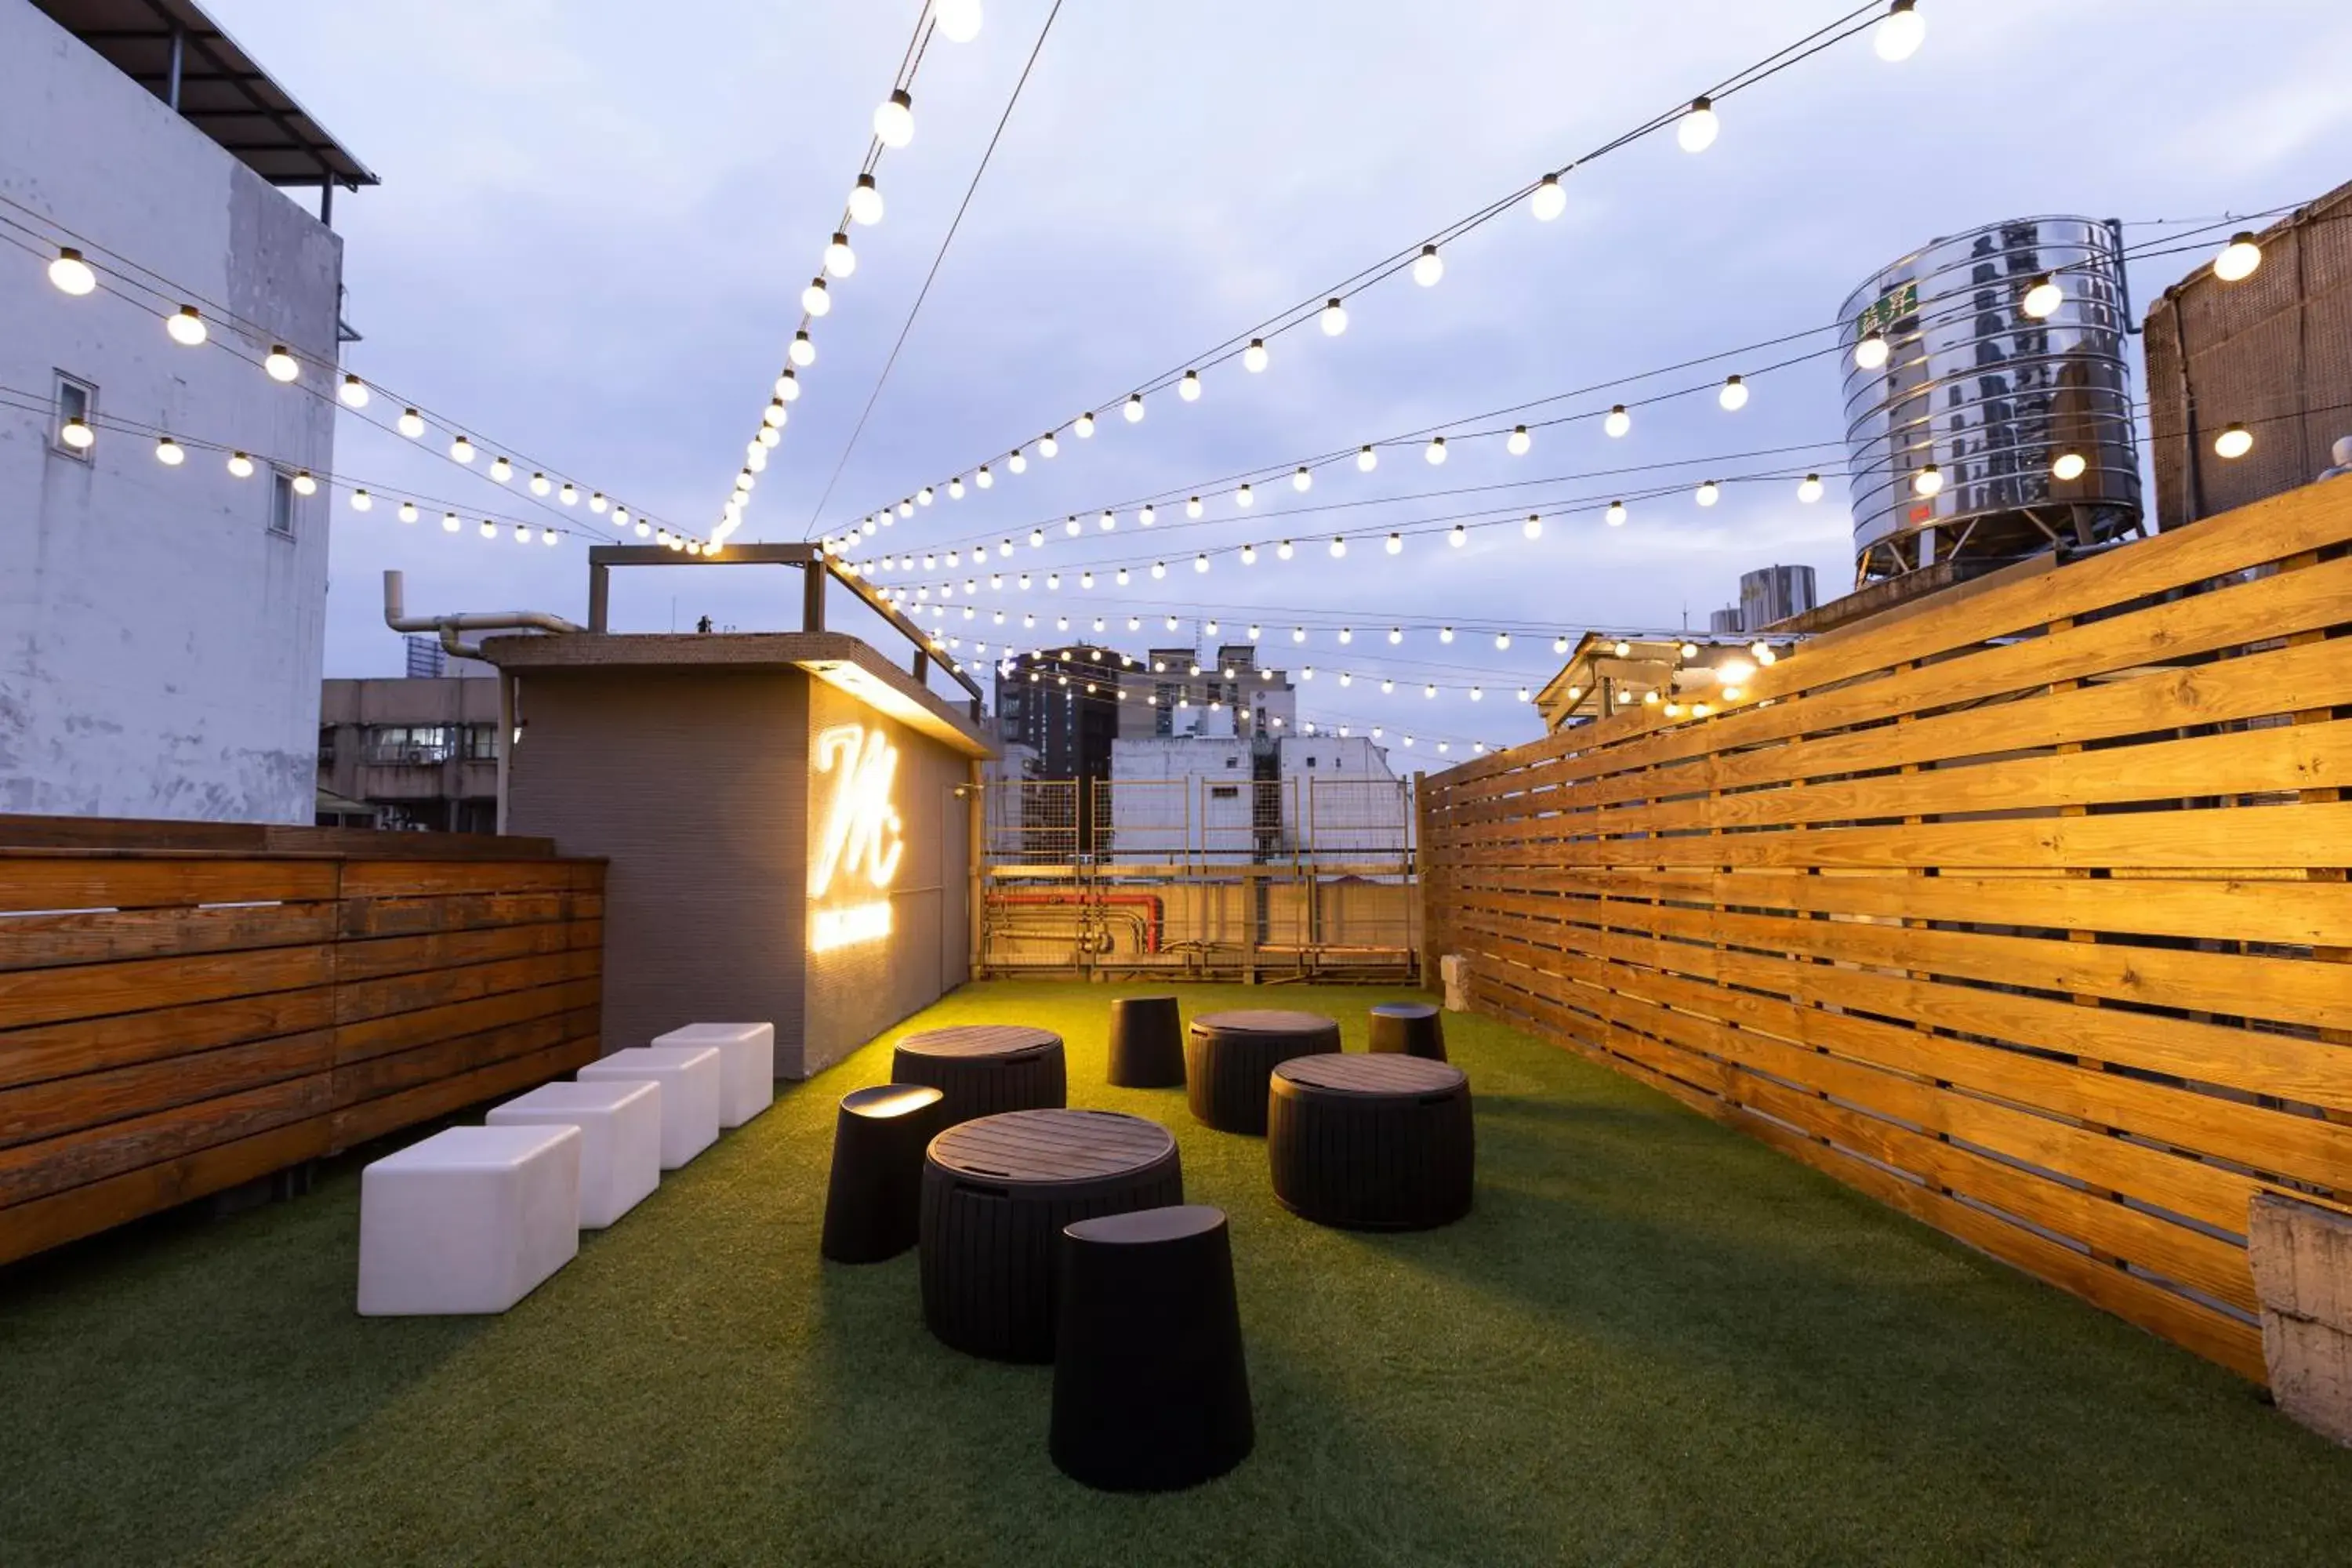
597	216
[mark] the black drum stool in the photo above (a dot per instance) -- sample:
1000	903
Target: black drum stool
984	1069
875	1193
1372	1143
1150	1390
1147	1043
1228	1057
1409	1028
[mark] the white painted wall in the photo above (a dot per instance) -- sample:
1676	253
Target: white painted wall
1348	802
160	648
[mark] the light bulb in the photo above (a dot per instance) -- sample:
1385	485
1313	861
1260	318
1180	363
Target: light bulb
187	327
540	485
840	261
352	393
461	450
568	495
925	496
597	503
788	385
2238	258
1616	514
1899	34
1518	442
620	515
70	273
1550	199
1282	552
1249	554
1070	525
1698	127
1457	536
1158	570
1560	645
304	485
1428	267
2069	466
448	522
2043	298
1036	537
1928	481
240	465
1618	422
2234	441
1734	395
1298	634
280	364
959	19
1533	527
1016	462
865	201
955	487
815	298
982	477
802	352
1189	389
1048	446
1254	356
1396	544
1347	634
501	470
1808	488
362	502
1502	639
1083	427
1192	507
1245	496
522	533
169	452
408	511
1435	450
1145	514
1335	316
410	423
1338	547
906	506
1367	459
1302	480
894	123
1396	635
1200	564
1871	353
1709	492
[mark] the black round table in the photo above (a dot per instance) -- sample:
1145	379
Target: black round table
1372	1143
1229	1056
982	1070
997	1194
1409	1028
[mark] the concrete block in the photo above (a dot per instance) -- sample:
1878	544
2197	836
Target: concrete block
2301	1255
1454	969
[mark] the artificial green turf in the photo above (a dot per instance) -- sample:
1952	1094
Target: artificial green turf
1652	1341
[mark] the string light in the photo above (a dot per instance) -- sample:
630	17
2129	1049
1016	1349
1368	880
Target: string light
1550	199
1249	554
1616	514
1335	316
1928	481
1302	481
802	350
2238	260
2069	466
1457	536
540	484
1367	459
448	522
1900	34
1698	127
2234	441
280	365
1083	427
866	201
1189	389
2043	298
1133	408
1445	634
1871	353
959	19
840	261
461	450
362	502
1245	496
1533	527
1734	395
1254	357
1396	635
815	298
1192	507
410	423
169	452
1049	447
1145	515
1016	462
894	121
501	470
1518	442
241	466
1709	492
304	485
352	393
1808	488
597	503
1396	544
925	496
70	273
408	511
1428	267
1618	422
187	328
1200	564
1338	547
1282	552
982	477
1435	450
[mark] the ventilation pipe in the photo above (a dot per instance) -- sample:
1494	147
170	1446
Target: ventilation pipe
448	627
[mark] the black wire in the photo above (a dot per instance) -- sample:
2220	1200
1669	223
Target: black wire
928	278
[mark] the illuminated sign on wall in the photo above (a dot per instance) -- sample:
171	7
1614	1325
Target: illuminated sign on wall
859	836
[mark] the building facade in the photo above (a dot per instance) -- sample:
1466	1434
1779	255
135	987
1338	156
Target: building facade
160	626
423	752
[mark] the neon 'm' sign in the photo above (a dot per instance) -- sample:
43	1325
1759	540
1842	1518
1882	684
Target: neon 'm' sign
859	836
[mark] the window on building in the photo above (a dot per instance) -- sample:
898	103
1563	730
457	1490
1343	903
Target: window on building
75	400
1225	792
326	746
1310	761
396	744
481	742
1233	761
281	502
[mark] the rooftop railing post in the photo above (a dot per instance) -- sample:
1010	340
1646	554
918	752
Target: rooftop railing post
813	582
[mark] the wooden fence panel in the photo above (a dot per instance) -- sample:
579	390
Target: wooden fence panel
177	1020
2023	911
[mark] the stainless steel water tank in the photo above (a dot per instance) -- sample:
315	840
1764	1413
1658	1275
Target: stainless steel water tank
1991	397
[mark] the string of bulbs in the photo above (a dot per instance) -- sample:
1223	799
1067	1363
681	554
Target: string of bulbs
1900	31
893	128
188	319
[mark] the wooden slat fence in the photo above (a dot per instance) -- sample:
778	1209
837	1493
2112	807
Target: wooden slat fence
177	1022
2022	910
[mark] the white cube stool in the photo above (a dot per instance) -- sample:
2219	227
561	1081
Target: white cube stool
620	1127
749	1053
471	1220
689	1076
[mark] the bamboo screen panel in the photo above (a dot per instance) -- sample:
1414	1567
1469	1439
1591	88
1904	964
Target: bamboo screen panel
2022	910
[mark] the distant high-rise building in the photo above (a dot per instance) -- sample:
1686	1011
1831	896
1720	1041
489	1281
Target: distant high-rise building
1724	622
1773	593
426	658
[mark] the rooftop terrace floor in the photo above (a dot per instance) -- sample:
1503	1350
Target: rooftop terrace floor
1651	1340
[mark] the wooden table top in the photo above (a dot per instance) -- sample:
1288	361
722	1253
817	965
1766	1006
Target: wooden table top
1051	1146
1264	1021
966	1040
1381	1074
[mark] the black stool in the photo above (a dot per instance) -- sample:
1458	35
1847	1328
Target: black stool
1147	1043
875	1193
1410	1028
1228	1057
1150	1391
1372	1143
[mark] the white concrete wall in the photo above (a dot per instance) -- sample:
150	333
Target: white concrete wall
1349	802
160	648
1162	800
